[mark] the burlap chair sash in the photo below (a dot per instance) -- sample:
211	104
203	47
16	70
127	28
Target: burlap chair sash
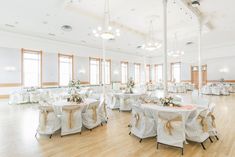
210	114
45	112
71	111
94	112
202	121
168	123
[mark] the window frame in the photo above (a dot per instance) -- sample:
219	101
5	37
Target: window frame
127	69
172	70
68	56
138	64
23	51
149	70
101	70
155	69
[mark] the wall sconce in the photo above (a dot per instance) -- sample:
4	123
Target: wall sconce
115	72
224	70
82	71
9	68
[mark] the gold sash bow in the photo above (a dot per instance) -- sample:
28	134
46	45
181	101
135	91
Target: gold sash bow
168	124
202	121
212	118
137	119
70	111
45	113
94	114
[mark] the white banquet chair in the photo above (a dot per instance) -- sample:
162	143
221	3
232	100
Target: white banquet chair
102	110
115	103
125	103
71	120
215	90
49	123
211	121
91	118
197	129
142	126
171	130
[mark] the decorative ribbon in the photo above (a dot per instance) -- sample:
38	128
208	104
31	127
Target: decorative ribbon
94	114
70	112
168	123
203	123
212	118
45	112
137	119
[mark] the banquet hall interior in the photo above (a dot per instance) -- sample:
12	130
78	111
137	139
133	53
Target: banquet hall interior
117	78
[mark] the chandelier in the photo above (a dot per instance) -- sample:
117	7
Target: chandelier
175	52
106	32
151	44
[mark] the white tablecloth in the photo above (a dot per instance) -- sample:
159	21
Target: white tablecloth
59	104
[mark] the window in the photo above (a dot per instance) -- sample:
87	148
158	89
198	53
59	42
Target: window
107	71
94	71
147	74
31	70
124	72
137	73
65	69
158	73
175	72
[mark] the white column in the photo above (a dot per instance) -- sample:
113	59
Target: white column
199	58
165	46
144	70
103	68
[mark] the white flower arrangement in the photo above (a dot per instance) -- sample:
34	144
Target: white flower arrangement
75	98
74	84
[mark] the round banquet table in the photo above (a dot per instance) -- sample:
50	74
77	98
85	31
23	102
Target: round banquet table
187	111
59	104
119	98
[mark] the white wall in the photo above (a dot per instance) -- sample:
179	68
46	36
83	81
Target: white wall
10	56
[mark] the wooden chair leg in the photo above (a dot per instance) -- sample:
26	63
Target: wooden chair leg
140	140
210	139
157	145
182	151
203	146
130	133
216	137
50	136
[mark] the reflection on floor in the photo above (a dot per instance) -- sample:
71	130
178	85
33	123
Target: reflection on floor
18	125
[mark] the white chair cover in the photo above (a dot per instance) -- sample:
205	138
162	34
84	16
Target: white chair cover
211	121
196	128
102	110
71	119
171	130
48	121
125	103
91	118
115	103
142	126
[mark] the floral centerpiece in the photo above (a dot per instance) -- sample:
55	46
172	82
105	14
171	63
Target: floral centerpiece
74	84
75	98
130	85
168	101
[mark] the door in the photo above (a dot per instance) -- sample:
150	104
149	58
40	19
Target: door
195	75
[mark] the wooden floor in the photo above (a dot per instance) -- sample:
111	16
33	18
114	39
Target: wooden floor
18	125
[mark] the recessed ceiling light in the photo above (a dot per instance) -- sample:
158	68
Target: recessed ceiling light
133	9
195	3
51	34
9	25
83	41
45	22
66	28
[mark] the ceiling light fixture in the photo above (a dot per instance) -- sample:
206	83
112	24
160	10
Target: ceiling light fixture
195	3
151	44
175	52
106	32
67	28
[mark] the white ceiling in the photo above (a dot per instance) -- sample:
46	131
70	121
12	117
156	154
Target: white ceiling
43	17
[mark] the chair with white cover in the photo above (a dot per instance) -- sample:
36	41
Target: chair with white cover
195	96
49	123
211	121
71	120
125	103
215	90
142	126
224	90
171	130
109	99
91	118
197	129
115	103
102	110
